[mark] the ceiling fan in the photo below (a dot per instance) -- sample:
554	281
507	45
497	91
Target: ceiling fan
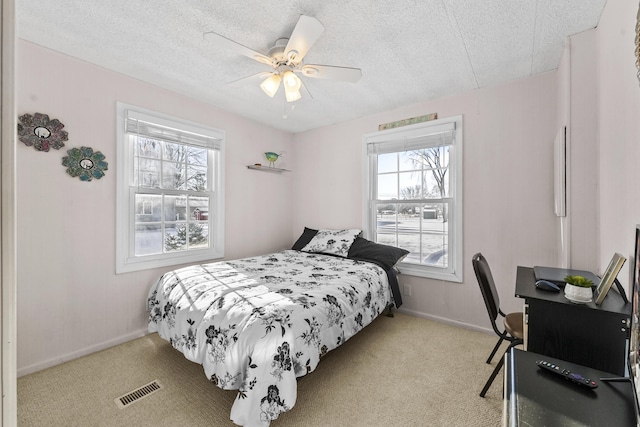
285	59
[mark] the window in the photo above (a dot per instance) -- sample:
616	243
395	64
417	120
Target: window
413	195
169	191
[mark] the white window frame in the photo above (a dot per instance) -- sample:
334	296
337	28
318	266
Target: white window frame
126	189
395	139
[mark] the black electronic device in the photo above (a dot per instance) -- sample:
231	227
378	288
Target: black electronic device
633	357
567	374
634	327
546	285
557	275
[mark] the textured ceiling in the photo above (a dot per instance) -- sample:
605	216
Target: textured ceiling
409	51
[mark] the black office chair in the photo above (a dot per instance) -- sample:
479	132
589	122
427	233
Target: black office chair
513	322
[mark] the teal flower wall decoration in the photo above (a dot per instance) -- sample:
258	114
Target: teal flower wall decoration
83	162
40	132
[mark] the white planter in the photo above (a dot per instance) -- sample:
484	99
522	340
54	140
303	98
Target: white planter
577	293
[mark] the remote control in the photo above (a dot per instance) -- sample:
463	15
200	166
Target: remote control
567	374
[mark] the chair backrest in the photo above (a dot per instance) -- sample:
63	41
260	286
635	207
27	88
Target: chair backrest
487	286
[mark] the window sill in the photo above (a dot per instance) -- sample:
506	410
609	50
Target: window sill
138	264
429	273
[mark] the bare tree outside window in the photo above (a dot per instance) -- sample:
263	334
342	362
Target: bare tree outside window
413	192
181	167
436	161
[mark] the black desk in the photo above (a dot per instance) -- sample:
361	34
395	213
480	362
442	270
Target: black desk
535	397
587	334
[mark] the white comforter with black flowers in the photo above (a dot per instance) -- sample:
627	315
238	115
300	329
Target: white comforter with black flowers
256	324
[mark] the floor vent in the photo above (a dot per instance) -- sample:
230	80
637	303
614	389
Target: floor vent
137	394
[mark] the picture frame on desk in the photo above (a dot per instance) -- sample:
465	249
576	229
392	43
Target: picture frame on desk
610	274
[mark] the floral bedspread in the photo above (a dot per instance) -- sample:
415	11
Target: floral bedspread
256	324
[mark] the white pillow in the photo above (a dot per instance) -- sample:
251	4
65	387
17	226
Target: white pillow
334	242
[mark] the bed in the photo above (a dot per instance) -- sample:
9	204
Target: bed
257	324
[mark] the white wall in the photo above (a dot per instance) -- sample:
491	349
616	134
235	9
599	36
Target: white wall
70	301
578	111
508	188
583	179
619	132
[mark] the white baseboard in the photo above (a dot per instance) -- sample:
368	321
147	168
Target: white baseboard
447	321
26	370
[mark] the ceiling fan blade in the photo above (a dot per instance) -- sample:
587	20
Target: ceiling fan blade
252	79
225	43
331	72
304	35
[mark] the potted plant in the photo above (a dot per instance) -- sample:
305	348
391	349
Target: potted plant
578	289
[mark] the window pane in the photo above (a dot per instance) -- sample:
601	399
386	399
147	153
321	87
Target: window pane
387	162
174	152
173	176
436	183
175	208
196	178
199	208
432	158
408	213
197	156
386	213
175	237
148	172
435	235
198	225
410	242
181	236
198	235
409	160
148	148
387	239
148	208
410	185
148	239
388	186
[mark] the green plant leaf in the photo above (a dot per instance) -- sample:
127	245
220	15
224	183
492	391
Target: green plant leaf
581	281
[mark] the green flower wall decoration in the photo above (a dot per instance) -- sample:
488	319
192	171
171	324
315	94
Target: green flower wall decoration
40	132
83	162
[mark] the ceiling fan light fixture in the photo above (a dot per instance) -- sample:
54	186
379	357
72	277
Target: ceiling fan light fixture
292	84
271	84
291	81
292	94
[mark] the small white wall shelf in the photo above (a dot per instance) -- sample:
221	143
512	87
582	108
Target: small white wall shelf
267	169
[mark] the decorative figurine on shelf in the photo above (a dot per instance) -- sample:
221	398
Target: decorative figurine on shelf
272	157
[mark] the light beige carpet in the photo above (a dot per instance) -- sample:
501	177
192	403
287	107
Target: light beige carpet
400	371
